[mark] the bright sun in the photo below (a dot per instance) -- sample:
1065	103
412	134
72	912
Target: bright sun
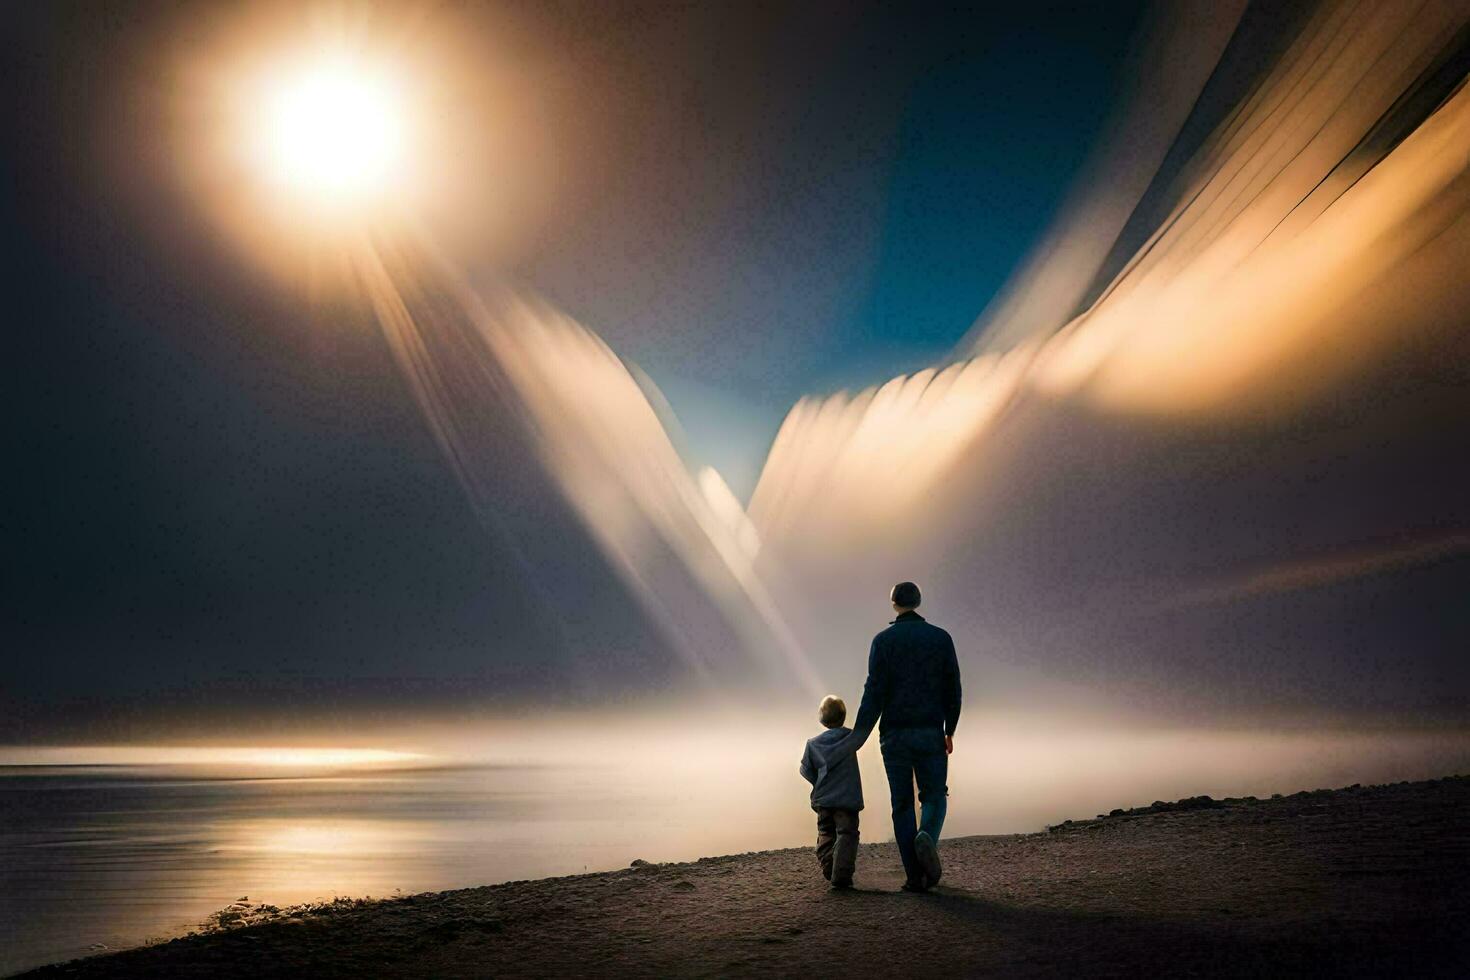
334	130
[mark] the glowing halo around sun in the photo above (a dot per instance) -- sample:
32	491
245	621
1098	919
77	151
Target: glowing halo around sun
308	130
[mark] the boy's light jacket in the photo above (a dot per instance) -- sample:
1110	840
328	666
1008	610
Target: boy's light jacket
840	786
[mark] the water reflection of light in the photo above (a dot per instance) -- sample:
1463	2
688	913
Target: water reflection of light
146	755
310	757
347	837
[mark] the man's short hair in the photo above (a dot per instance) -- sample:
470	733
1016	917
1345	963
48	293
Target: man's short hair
905	594
832	712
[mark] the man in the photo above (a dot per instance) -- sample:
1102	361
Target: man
914	686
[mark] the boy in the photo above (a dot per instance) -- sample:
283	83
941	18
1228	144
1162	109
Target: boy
837	795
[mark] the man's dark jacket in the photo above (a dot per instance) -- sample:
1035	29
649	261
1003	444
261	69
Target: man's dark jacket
913	682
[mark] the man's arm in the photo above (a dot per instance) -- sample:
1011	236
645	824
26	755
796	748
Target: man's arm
875	696
951	689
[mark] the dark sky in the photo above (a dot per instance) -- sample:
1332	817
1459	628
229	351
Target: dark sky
217	485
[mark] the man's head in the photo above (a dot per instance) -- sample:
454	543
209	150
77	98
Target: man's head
832	712
905	597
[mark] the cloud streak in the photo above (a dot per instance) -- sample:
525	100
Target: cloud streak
1326	570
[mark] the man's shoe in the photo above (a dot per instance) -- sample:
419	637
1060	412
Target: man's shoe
914	885
928	854
841	884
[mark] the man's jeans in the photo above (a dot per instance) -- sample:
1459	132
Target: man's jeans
913	755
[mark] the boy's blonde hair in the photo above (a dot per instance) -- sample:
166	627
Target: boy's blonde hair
832	712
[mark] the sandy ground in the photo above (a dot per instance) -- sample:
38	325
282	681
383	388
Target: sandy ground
1359	881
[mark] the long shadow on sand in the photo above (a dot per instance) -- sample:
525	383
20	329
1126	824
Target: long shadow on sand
964	927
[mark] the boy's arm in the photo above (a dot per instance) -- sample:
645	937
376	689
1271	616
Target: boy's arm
807	771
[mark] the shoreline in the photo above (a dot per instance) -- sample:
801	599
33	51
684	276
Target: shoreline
1353	881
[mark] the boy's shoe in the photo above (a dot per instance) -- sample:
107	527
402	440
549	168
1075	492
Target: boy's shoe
928	854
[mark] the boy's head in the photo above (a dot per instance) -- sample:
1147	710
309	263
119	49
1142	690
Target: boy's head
832	712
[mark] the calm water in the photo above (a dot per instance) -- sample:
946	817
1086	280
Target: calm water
113	855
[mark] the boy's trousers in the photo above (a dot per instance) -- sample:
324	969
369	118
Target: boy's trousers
837	841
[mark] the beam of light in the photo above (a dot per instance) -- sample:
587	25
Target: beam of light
1237	317
493	369
1269	282
726	508
1173	61
339	143
912	430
